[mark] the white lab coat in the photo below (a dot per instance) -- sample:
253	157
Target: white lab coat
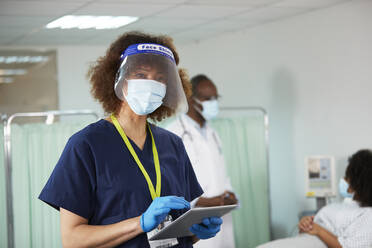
203	147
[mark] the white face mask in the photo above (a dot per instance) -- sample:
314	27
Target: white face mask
210	109
144	95
343	186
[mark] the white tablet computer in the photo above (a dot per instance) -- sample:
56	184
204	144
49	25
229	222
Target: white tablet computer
180	227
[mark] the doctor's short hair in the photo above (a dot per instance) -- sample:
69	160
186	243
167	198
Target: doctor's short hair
103	72
359	176
196	80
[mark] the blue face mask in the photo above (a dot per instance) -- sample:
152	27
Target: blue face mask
343	187
145	96
210	109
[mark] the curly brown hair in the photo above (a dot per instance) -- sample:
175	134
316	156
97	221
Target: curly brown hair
103	72
359	175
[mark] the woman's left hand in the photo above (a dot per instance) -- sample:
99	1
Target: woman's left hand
208	228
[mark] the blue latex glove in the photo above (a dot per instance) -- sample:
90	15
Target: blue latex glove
208	228
159	209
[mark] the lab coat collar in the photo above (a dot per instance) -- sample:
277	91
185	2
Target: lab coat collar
202	130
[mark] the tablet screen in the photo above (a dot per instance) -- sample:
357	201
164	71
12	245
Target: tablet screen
180	227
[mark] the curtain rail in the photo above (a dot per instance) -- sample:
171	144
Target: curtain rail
263	110
8	158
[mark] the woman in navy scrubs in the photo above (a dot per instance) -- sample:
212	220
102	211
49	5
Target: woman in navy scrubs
120	177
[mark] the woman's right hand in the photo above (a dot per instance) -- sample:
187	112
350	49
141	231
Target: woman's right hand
306	223
159	209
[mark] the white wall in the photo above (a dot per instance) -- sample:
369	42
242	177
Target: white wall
73	86
313	73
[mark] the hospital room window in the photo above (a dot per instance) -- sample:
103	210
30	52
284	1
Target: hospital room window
28	81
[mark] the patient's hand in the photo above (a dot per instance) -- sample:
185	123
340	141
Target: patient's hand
315	229
306	224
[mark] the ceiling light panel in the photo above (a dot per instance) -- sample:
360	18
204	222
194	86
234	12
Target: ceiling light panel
23	59
10	72
6	80
86	22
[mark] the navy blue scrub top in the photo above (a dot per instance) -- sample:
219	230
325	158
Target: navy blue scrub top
97	178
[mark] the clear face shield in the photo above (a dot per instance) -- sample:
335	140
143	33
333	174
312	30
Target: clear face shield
148	78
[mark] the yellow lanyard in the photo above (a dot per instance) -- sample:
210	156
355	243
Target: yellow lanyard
153	193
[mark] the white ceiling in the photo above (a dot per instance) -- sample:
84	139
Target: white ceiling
22	22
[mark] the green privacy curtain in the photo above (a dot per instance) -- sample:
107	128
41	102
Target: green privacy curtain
243	144
3	223
35	151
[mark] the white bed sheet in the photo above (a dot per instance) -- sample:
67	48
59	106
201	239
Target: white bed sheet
302	240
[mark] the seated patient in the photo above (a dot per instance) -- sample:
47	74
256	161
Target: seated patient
347	224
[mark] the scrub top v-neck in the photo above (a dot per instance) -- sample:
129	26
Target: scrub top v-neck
97	178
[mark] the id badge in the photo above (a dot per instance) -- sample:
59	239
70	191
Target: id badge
163	243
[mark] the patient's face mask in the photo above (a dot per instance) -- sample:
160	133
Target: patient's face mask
210	108
343	187
144	96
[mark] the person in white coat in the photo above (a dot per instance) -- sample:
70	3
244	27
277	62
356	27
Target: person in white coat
203	147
